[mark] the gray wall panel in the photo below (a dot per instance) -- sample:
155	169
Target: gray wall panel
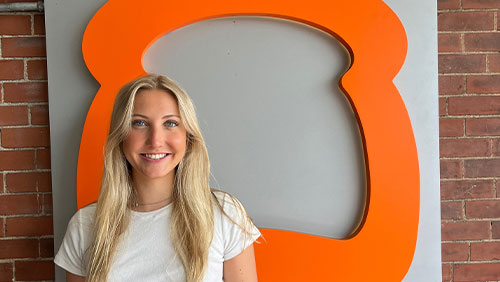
418	84
71	90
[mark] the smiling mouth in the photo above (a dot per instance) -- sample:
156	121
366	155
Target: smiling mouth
154	156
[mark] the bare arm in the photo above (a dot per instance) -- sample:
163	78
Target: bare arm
70	277
241	268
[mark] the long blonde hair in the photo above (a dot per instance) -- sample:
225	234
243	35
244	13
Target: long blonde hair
192	216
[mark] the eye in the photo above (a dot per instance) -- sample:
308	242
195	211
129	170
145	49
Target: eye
138	123
171	123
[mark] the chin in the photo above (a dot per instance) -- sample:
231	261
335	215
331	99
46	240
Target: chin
157	175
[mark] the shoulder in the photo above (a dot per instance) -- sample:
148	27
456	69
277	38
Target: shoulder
84	216
220	196
231	211
71	254
236	229
81	223
228	204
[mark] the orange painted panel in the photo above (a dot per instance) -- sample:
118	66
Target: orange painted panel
382	248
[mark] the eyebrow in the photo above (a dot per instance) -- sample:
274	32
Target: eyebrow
143	116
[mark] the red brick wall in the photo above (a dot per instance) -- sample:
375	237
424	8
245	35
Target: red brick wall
469	106
26	233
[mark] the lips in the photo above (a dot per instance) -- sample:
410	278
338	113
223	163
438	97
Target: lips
155	156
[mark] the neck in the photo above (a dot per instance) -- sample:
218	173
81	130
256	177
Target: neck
152	194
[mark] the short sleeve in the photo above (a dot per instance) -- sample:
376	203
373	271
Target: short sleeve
70	256
234	223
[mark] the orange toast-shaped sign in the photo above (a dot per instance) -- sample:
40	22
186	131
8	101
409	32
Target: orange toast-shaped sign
382	247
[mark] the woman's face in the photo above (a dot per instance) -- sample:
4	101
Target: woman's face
157	140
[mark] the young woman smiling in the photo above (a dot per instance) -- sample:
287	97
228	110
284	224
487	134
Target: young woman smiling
156	219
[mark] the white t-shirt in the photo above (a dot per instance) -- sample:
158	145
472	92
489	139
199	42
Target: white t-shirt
145	251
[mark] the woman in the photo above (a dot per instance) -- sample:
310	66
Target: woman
156	219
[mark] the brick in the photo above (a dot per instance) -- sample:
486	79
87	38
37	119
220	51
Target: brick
465	21
14	160
449	42
34	270
487	84
15	24
467	189
451	169
19	204
451	84
448	4
442	106
6	272
461	63
28	182
25	92
23	47
464	148
478	105
468	230
451	210
29	226
483	209
446	270
11	69
18	248
13	115
476	272
497	186
2	224
47	247
43	158
25	137
485	251
451	127
37	69
47	204
482	42
494	62
482	127
39	114
495	230
480	4
39	24
482	168
496	147
454	252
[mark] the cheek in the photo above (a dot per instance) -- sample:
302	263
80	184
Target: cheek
131	143
178	140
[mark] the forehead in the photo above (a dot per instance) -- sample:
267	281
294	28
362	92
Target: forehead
155	100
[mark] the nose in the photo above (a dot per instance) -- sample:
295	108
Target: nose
156	137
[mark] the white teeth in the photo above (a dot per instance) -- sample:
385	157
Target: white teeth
155	156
